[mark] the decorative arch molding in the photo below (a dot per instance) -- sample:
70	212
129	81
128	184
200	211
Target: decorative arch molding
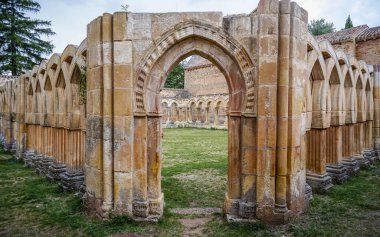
349	95
335	84
207	33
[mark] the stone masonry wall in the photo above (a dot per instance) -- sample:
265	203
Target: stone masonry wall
369	51
204	80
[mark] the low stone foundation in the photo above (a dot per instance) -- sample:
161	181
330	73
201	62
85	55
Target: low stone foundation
70	180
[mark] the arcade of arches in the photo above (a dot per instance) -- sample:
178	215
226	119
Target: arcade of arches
301	113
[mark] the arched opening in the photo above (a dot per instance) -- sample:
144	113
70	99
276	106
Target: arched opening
49	104
198	148
60	108
334	133
239	77
316	172
369	119
316	104
60	100
75	104
360	116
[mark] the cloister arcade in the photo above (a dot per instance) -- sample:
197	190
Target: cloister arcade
299	113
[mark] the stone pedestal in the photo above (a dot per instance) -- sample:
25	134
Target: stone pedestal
37	163
308	194
156	206
55	170
27	156
45	163
239	211
362	160
13	148
33	160
149	211
351	165
370	155
337	172
320	183
72	180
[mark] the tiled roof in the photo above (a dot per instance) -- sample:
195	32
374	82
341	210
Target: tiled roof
343	35
368	34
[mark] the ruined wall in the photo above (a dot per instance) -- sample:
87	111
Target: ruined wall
298	112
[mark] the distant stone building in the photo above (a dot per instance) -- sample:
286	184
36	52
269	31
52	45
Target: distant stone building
361	42
203	103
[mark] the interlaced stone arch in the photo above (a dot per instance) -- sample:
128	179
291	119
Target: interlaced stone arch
186	34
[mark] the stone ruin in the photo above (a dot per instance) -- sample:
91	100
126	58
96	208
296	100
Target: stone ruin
302	112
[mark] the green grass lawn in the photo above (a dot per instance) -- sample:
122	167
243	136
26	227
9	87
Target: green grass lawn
194	169
194	175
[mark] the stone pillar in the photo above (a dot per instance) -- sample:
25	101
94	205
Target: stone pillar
348	143
94	179
317	176
334	166
359	145
376	119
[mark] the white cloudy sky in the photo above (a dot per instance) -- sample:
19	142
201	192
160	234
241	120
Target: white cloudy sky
70	17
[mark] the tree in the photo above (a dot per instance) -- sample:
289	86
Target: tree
320	27
125	7
176	78
349	23
21	45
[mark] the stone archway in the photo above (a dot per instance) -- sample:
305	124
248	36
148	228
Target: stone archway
235	64
129	56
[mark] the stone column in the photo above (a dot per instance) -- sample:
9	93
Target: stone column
376	102
359	145
316	175
348	151
334	166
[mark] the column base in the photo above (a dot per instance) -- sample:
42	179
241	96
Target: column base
35	161
237	210
45	163
7	146
27	157
363	161
320	183
370	155
55	170
38	163
71	180
148	211
351	165
337	172
377	154
13	148
308	194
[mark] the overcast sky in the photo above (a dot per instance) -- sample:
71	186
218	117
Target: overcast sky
70	17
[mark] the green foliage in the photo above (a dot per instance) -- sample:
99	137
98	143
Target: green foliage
82	85
320	27
21	46
176	78
349	23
